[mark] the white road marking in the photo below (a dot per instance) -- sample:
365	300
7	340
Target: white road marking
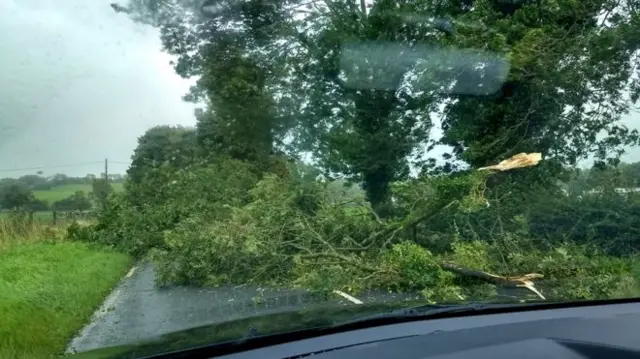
130	273
348	297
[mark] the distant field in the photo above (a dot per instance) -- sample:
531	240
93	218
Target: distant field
61	192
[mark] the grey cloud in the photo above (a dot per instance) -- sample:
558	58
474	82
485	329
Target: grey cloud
80	83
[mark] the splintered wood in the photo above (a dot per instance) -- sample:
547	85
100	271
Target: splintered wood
523	281
518	161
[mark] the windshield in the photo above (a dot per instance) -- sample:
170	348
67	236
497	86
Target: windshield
170	164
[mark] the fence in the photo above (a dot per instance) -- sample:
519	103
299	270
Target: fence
48	217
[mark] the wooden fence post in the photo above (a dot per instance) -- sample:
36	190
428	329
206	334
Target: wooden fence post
55	217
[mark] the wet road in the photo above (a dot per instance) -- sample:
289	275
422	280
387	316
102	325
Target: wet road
137	310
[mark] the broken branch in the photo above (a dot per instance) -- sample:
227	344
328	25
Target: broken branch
523	281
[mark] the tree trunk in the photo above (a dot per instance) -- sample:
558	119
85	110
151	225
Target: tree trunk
378	193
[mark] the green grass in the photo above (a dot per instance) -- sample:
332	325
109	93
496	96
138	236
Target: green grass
61	192
16	232
48	291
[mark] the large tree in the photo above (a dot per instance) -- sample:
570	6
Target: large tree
228	47
161	151
34	182
15	195
174	146
76	202
283	60
361	82
571	63
360	72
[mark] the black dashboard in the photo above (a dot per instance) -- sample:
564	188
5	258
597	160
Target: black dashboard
595	331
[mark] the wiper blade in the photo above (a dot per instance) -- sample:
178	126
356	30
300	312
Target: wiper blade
432	311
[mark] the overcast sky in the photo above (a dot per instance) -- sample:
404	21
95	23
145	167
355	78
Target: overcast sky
80	83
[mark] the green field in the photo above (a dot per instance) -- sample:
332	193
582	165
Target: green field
61	192
48	291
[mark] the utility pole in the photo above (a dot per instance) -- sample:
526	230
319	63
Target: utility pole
106	183
106	175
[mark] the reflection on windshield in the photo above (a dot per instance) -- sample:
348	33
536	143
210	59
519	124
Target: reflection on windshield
226	160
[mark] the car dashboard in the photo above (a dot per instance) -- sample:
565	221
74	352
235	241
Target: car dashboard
591	331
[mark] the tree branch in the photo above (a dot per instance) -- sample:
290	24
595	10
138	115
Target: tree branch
523	281
343	258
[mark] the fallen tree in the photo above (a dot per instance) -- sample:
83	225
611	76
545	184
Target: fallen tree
282	234
382	239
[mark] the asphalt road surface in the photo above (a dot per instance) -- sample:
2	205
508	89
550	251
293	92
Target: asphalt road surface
137	310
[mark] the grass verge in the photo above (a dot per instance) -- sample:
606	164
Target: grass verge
48	291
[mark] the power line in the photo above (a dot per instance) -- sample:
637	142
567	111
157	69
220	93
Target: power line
52	166
60	166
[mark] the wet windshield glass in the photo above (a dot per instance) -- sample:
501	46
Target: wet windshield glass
180	163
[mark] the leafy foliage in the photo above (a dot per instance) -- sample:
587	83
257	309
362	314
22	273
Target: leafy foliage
206	191
100	189
353	90
37	205
161	151
161	145
564	84
358	86
15	196
76	202
260	232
